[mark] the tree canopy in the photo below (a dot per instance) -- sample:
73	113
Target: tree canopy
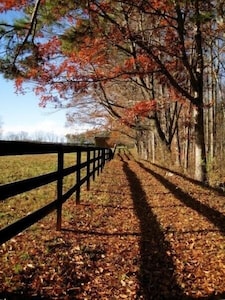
144	62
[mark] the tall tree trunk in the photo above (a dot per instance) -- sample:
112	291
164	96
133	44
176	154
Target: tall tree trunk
153	147
178	148
200	153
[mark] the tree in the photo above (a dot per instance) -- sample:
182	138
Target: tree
96	47
19	136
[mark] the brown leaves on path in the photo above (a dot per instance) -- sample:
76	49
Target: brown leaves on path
138	234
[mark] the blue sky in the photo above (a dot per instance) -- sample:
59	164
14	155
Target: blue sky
22	113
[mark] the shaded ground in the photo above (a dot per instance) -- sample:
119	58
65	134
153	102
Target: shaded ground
141	233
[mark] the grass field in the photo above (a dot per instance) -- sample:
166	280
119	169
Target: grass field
15	168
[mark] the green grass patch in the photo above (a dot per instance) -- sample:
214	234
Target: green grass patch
15	168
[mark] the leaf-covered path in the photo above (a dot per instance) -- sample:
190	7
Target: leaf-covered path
141	233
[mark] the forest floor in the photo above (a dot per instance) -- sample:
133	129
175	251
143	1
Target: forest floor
142	232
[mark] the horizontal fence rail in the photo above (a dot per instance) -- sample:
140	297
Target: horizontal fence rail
96	158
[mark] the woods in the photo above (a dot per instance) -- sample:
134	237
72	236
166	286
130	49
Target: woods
154	67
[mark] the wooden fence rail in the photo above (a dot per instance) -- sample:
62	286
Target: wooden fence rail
94	163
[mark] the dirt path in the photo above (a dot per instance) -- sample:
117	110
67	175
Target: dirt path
141	233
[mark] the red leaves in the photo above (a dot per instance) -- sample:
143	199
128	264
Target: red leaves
18	83
140	109
12	4
50	48
140	65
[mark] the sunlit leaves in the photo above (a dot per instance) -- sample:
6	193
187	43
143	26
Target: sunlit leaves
127	235
140	109
12	4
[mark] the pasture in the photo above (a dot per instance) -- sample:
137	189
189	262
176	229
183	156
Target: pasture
15	168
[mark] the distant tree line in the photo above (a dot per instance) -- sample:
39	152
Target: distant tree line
39	136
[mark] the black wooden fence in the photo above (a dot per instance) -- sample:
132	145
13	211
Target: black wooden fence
93	164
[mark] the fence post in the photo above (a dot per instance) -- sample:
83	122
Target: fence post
88	170
59	189
103	159
98	161
78	177
94	158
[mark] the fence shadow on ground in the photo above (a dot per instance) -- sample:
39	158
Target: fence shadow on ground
218	189
213	216
156	266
